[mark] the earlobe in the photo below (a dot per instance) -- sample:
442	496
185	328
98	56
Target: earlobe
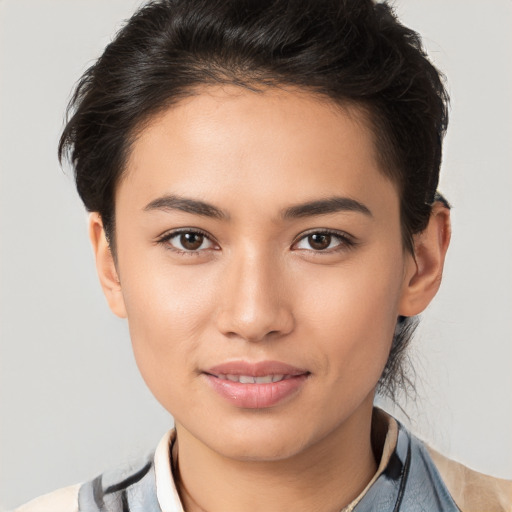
105	266
423	277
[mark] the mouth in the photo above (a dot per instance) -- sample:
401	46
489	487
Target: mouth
256	385
249	379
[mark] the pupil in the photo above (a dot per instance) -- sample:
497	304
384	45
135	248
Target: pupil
191	241
319	241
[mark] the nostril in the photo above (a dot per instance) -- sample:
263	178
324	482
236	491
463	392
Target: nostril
253	316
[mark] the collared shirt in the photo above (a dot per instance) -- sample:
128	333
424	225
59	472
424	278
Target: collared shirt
410	478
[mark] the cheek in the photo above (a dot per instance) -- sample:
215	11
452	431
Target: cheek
351	314
161	296
168	310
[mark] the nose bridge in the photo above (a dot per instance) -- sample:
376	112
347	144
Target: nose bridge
254	303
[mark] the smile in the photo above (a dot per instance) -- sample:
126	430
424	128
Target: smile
256	385
249	379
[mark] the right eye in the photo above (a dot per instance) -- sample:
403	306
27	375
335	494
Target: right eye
187	241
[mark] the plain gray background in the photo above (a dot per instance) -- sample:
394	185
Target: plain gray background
72	402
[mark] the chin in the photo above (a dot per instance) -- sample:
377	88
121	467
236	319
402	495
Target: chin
262	449
261	439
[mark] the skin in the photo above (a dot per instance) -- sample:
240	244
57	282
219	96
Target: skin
257	289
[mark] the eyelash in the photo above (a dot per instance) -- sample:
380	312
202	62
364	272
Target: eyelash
166	237
346	240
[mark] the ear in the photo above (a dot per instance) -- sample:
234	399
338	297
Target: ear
105	266
425	269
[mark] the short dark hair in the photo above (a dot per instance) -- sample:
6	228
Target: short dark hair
350	51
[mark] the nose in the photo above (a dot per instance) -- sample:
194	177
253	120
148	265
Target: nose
254	305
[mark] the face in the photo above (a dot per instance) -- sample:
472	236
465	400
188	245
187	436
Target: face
261	267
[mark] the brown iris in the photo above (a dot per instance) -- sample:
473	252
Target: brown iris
191	241
319	241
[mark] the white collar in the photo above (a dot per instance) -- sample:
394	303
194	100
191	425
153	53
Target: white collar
167	493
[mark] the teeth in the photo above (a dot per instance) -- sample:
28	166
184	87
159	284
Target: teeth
267	379
248	379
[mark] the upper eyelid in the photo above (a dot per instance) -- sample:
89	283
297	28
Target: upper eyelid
178	231
343	235
164	239
334	232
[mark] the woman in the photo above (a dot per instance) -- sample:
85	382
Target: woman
262	181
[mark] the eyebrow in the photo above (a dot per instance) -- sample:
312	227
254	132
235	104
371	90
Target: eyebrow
326	206
308	209
194	206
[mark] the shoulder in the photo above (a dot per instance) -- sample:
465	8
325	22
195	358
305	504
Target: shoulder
473	491
130	486
62	500
412	473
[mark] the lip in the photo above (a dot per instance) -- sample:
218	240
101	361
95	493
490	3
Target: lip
257	369
256	395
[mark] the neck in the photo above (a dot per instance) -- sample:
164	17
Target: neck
324	477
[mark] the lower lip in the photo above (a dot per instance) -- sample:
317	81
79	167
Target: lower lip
256	396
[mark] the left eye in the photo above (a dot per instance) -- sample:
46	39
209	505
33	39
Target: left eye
321	241
189	241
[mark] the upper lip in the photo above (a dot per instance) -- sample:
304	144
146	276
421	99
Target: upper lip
255	369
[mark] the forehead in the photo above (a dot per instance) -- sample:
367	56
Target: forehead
269	147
